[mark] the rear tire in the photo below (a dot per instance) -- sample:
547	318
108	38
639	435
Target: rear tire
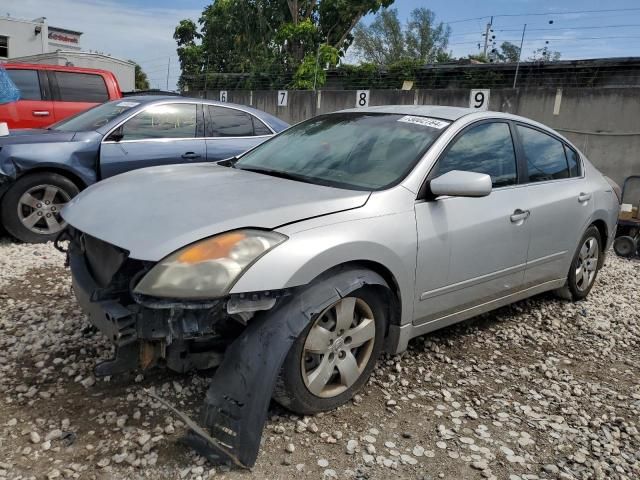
584	267
30	209
322	348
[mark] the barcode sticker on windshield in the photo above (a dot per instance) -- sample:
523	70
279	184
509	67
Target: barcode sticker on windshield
425	121
127	104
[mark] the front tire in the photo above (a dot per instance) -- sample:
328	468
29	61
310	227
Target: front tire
30	209
584	267
335	355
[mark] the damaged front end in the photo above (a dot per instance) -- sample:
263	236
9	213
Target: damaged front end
246	336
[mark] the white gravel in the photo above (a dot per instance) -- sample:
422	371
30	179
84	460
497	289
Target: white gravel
543	389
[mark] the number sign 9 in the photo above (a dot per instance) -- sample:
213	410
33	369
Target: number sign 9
283	96
223	95
479	99
362	98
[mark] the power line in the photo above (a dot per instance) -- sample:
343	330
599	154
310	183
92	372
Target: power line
545	14
475	32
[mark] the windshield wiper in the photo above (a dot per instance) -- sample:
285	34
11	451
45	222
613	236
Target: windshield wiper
278	173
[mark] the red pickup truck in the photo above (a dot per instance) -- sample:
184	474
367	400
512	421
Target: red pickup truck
49	93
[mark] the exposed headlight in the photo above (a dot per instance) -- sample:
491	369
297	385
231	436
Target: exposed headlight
208	268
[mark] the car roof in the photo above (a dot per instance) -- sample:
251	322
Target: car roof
446	113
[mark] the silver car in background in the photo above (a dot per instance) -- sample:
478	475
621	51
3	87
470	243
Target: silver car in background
294	266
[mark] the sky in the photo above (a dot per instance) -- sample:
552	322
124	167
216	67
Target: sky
142	30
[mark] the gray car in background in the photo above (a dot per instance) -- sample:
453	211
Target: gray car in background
293	267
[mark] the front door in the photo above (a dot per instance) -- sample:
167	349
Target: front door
472	250
161	134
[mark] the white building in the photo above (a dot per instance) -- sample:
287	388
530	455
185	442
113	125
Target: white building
35	41
19	38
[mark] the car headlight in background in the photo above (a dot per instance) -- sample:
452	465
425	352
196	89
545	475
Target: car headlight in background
208	268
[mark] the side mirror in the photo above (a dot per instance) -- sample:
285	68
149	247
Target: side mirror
457	183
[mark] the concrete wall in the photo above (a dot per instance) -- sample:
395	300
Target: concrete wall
603	122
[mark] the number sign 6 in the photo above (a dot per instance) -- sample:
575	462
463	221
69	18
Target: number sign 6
223	95
479	99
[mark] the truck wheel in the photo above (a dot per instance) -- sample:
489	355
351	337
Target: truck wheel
624	246
30	209
334	355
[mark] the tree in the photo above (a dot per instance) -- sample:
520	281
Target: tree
386	40
544	54
141	80
507	53
267	38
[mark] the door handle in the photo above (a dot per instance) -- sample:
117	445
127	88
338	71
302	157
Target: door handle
190	155
40	113
520	215
584	197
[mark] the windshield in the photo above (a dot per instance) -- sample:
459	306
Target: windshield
360	151
95	117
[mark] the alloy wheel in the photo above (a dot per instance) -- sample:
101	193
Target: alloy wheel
587	264
338	347
39	209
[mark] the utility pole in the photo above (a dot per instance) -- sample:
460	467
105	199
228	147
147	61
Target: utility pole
168	66
315	72
486	36
206	77
515	78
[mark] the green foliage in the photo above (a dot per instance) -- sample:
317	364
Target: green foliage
247	41
508	52
141	80
312	71
545	55
386	40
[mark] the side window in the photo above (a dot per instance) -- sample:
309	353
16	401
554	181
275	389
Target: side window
4	46
486	148
574	163
259	128
545	155
227	122
176	120
27	82
81	87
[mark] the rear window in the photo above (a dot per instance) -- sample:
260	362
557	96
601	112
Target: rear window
545	155
27	82
228	122
81	87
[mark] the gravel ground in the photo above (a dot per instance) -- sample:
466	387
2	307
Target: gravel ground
542	389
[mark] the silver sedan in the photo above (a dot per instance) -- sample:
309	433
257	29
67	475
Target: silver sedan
294	266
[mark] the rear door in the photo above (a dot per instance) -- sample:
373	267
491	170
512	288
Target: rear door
35	108
161	134
559	201
75	92
230	131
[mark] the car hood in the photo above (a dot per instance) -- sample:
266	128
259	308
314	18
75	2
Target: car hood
35	136
154	211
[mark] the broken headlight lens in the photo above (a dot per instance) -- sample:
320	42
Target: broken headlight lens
208	268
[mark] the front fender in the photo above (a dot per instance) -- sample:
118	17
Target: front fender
388	240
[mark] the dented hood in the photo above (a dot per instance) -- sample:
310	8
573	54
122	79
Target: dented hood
35	136
154	211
